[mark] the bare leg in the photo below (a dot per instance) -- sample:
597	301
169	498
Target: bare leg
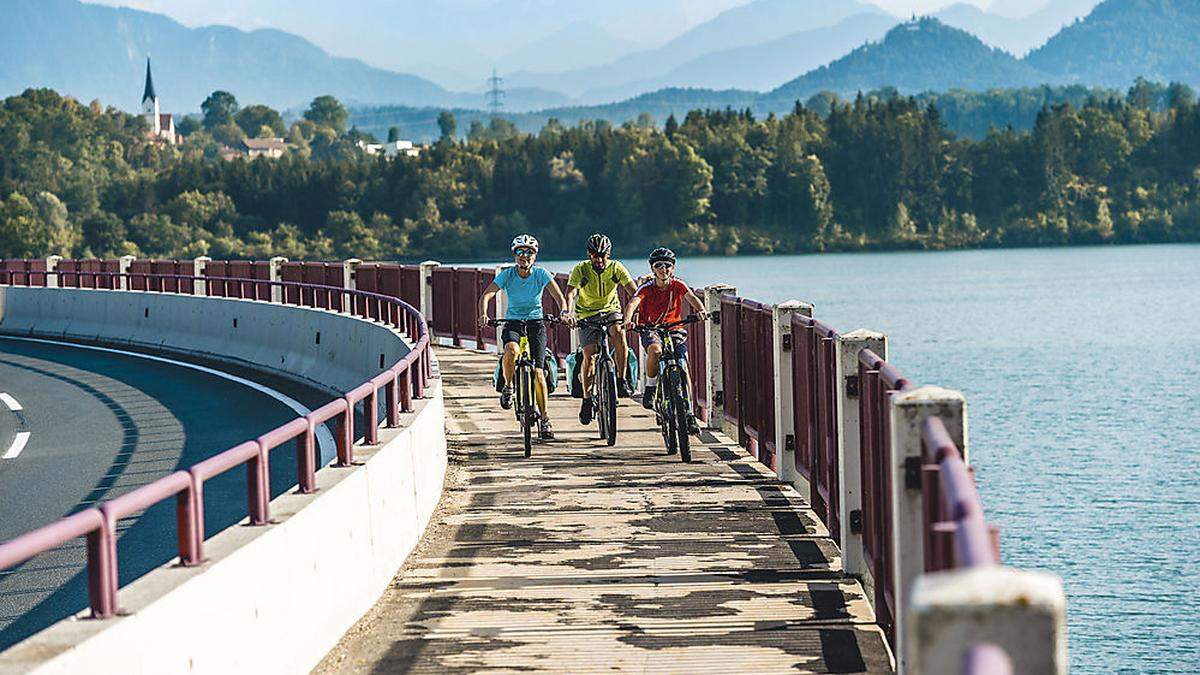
621	351
588	353
508	362
653	353
540	391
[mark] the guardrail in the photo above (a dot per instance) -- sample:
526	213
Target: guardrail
402	382
882	461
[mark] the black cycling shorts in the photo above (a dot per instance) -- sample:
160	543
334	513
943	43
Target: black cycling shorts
534	330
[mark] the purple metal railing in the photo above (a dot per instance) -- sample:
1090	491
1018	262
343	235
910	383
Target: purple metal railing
401	382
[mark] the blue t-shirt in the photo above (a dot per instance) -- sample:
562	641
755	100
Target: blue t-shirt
524	294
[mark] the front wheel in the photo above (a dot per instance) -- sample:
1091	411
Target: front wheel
610	404
679	408
525	404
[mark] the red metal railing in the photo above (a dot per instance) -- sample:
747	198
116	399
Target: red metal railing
401	382
815	415
877	380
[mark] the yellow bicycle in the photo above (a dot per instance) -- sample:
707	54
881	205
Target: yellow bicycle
525	384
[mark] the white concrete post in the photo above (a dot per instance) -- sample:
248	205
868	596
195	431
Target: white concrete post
125	262
714	380
849	390
909	410
350	282
1023	613
501	297
783	347
275	273
199	265
426	308
51	266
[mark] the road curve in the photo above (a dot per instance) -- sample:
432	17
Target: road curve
99	423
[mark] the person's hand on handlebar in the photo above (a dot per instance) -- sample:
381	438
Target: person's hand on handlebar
566	317
483	319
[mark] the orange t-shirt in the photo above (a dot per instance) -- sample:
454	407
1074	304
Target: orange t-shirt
661	305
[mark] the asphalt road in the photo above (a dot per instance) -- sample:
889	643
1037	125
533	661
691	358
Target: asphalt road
98	424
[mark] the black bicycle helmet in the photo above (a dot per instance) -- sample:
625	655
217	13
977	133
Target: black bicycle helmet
662	254
600	244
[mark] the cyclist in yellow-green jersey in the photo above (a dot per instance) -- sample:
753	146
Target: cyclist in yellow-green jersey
592	292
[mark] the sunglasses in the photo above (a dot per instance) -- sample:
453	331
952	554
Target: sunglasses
662	265
524	251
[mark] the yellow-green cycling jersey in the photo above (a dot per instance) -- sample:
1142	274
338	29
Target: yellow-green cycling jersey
598	290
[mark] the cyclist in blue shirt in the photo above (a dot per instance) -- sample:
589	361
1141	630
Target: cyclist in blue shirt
523	285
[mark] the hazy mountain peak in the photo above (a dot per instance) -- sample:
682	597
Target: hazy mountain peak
1125	39
915	56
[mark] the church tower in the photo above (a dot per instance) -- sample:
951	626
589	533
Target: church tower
150	108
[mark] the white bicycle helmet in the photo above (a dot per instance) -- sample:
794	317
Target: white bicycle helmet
524	241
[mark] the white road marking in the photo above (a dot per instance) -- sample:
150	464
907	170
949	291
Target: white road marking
10	402
324	437
18	445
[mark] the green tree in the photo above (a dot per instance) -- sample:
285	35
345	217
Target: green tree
219	109
253	118
393	134
22	232
447	124
327	111
104	234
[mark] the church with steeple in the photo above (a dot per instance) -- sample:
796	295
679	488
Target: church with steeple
162	127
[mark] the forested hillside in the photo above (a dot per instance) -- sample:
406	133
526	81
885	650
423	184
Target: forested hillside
875	173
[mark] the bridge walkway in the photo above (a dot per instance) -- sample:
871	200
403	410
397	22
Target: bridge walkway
587	558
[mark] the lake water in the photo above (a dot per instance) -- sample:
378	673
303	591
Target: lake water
1083	388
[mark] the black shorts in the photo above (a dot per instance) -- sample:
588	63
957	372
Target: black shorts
534	330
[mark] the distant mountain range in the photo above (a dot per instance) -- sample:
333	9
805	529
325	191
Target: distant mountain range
786	49
92	51
1015	34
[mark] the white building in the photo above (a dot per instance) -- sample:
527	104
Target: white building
161	126
393	149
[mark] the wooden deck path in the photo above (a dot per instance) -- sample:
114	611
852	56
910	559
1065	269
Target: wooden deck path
587	558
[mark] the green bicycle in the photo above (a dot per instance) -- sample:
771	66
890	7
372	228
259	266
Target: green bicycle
672	406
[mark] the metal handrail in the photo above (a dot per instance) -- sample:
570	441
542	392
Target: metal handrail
98	523
959	498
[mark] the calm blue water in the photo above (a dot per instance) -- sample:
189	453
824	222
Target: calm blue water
1083	388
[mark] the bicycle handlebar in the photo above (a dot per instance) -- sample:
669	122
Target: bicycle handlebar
653	327
496	323
599	323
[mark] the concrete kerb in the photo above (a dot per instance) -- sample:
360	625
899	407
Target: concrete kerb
327	563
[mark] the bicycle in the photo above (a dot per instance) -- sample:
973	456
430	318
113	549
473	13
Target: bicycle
604	380
672	407
524	384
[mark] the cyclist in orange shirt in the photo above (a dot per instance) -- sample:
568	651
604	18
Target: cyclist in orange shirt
660	300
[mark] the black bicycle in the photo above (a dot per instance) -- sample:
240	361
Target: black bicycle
672	406
604	380
525	384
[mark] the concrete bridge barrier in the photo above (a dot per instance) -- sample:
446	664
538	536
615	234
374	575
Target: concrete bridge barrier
273	598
